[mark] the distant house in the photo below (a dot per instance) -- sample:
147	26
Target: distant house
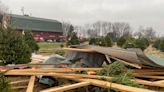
42	29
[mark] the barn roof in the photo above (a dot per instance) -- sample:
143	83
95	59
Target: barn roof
34	23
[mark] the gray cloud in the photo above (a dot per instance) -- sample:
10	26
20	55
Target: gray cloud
79	12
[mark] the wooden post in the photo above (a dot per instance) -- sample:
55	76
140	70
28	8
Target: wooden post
65	88
31	84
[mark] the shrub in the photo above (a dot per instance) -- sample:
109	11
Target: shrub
29	39
141	43
130	43
108	41
121	41
102	41
156	44
4	84
120	74
60	52
13	48
92	41
161	45
73	39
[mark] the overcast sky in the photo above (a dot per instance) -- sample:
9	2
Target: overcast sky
148	13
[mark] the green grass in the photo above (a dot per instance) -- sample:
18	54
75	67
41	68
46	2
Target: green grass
48	48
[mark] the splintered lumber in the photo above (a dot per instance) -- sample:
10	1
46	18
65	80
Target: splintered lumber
116	86
139	81
130	64
160	82
51	70
19	81
149	83
110	85
19	87
79	50
150	73
31	84
68	87
69	76
147	70
150	76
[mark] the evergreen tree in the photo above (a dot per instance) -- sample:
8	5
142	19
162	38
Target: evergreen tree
130	43
108	41
73	39
92	41
161	45
141	43
101	41
13	48
121	41
29	39
4	84
156	44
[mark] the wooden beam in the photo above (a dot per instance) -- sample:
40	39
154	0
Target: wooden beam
52	70
160	82
105	84
148	83
110	85
68	87
127	63
78	50
31	84
19	87
150	76
147	70
19	81
150	73
76	76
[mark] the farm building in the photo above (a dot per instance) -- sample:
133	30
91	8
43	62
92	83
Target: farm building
42	29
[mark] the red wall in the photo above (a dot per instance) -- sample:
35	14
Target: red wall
44	36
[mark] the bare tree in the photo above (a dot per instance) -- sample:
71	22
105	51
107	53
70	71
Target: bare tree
66	28
148	33
121	29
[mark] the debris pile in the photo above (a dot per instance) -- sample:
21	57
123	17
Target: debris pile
113	69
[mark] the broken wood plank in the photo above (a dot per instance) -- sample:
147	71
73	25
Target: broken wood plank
69	76
19	81
150	76
148	83
105	84
19	87
31	84
52	70
149	73
159	82
110	85
68	87
147	70
78	50
127	63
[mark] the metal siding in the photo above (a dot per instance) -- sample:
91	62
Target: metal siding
38	25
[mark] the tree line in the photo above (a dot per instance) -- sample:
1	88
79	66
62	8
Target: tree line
120	33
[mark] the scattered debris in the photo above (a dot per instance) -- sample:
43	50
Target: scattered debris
125	70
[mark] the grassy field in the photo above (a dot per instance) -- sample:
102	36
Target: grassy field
48	48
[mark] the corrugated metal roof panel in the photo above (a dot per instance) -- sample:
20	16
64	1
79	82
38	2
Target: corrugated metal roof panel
33	23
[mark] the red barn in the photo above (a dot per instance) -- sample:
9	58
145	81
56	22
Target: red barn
42	29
